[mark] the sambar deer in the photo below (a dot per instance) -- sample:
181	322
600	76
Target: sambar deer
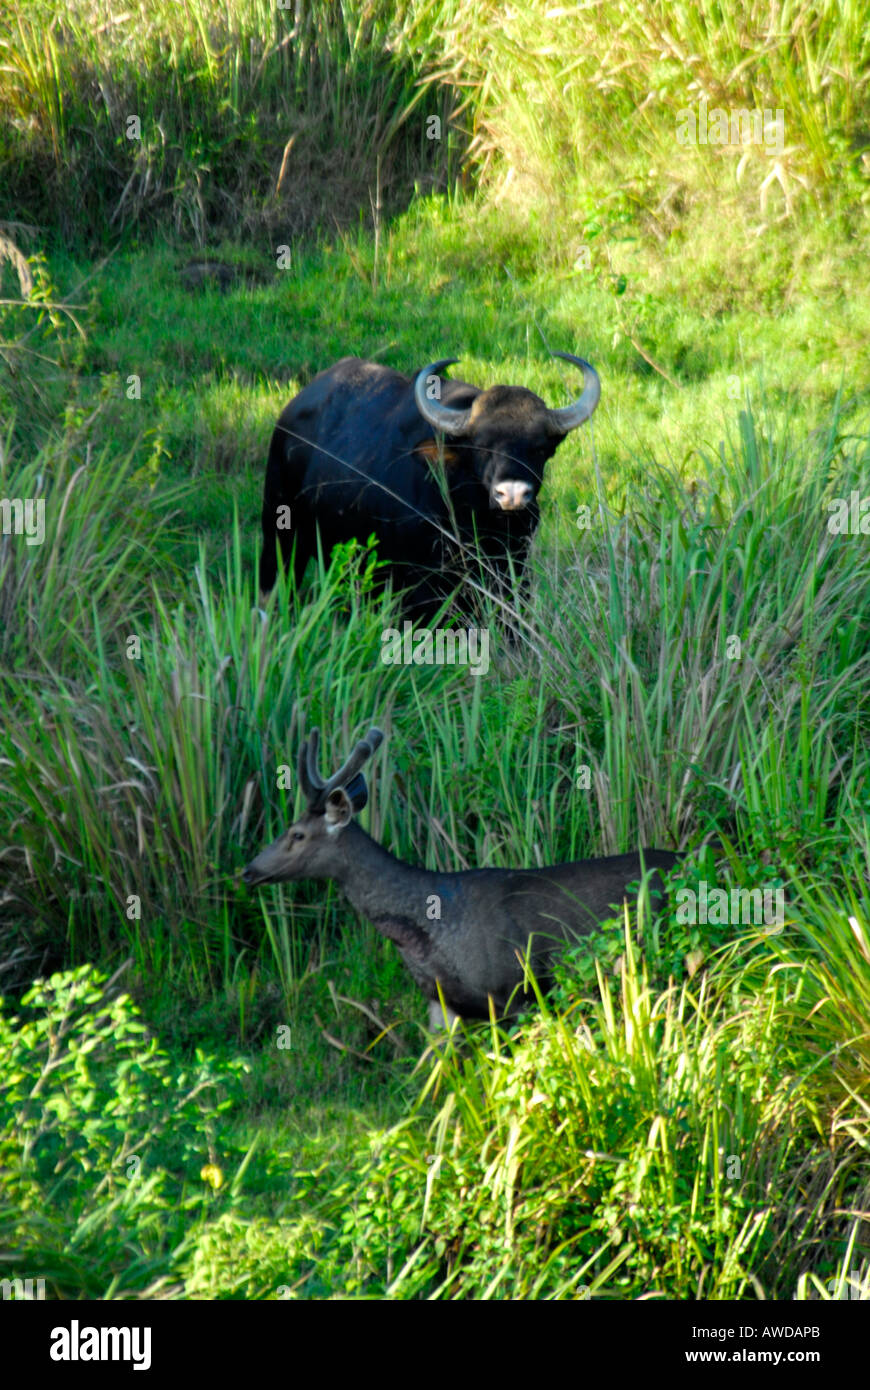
468	932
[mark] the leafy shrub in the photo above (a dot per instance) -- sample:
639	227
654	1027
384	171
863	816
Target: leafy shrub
102	1141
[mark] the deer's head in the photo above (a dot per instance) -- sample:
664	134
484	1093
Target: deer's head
310	847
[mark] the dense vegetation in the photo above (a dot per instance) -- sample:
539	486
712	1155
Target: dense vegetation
211	1093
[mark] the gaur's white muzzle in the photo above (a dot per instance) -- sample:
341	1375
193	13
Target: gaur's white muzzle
511	496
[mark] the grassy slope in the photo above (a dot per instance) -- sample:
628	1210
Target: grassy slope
216	369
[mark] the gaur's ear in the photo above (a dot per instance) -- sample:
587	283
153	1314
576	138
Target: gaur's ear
339	810
430	452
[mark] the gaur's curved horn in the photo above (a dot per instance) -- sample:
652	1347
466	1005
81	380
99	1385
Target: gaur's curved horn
441	417
570	416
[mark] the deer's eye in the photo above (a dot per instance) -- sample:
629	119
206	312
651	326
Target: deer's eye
298	834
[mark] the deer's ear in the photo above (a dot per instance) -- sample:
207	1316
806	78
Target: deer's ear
339	810
358	793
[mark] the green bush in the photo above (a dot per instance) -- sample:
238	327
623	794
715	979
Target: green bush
103	1141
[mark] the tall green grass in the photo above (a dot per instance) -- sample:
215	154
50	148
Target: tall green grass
697	1130
268	119
699	1141
639	1148
557	95
249	116
698	670
689	1142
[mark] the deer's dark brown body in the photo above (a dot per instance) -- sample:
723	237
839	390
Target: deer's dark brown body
467	932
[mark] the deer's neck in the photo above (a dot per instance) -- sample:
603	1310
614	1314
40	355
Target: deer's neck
381	887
